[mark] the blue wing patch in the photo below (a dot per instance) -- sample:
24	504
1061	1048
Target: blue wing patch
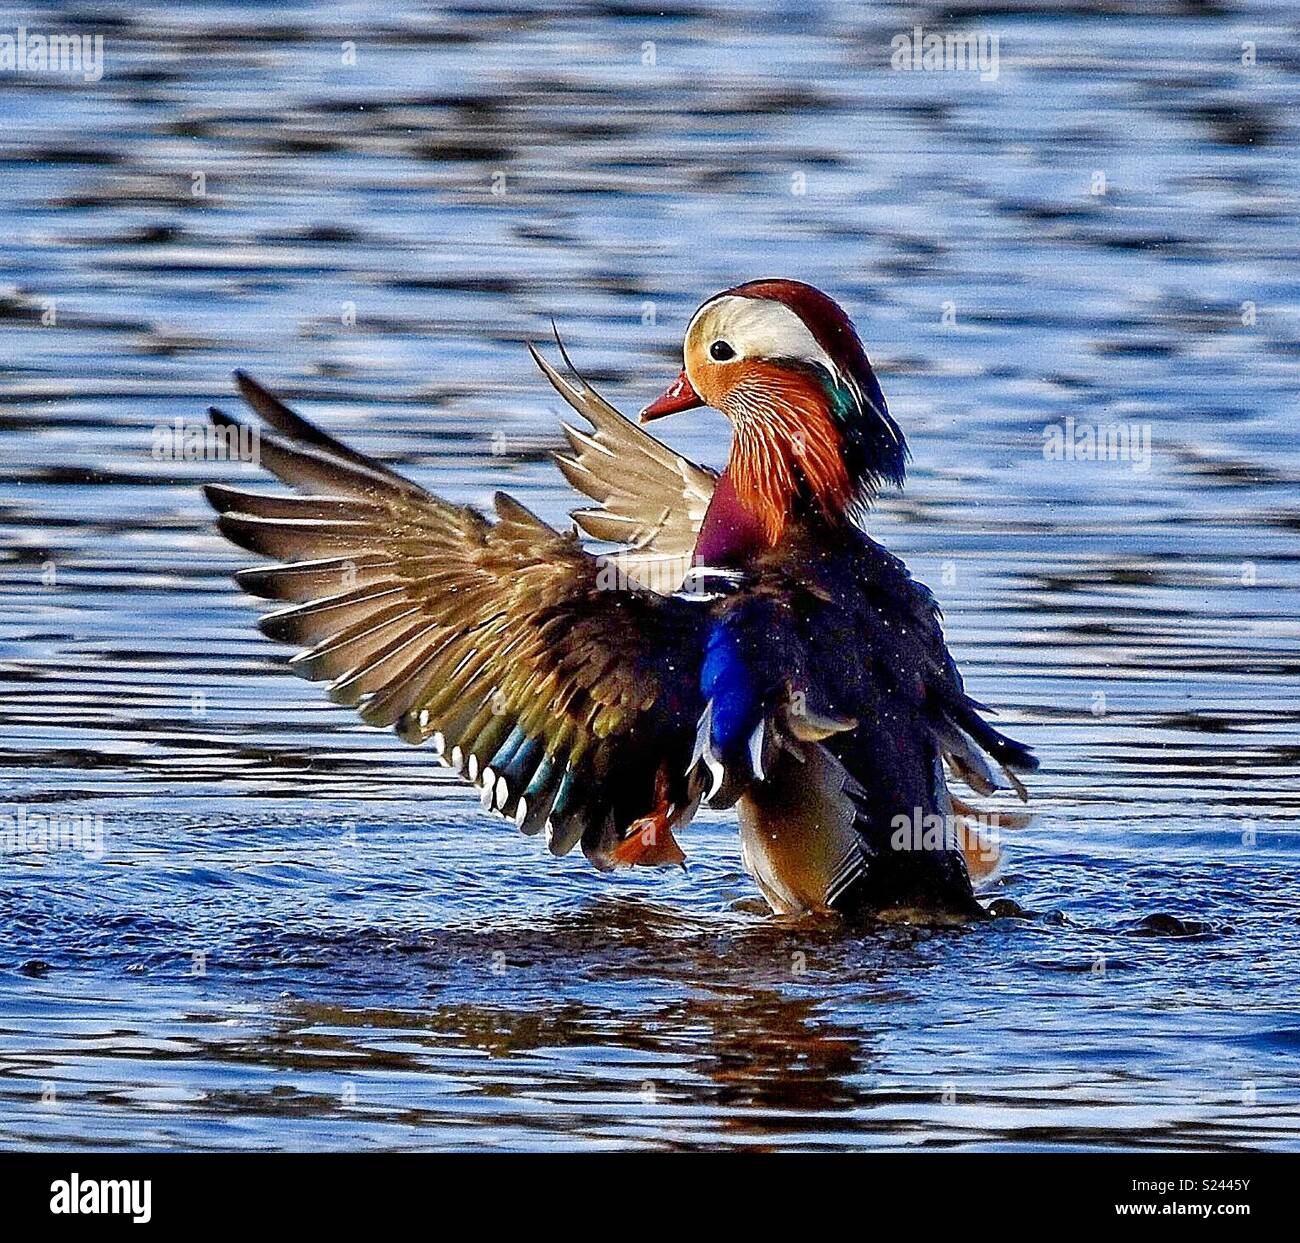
731	690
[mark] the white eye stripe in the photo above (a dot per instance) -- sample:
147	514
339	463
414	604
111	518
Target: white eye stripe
759	328
764	328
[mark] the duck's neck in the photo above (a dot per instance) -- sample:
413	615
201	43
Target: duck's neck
788	453
731	533
743	521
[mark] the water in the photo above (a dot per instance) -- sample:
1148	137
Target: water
303	934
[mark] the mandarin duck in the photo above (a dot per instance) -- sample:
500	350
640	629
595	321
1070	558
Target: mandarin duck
744	643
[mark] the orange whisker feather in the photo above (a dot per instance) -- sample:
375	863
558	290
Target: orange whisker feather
784	432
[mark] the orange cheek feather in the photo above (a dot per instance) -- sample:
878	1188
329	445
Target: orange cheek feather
784	431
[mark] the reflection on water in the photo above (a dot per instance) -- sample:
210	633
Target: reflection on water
301	933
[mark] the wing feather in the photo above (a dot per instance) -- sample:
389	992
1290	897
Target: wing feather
567	701
649	499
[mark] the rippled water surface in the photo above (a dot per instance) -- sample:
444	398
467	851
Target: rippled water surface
303	934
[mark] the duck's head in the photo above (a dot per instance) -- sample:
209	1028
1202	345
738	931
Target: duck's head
812	432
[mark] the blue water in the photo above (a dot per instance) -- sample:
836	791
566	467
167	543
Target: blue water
303	934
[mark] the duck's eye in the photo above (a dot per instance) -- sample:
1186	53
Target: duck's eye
720	351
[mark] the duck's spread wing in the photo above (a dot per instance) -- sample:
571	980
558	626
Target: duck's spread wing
569	699
648	498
